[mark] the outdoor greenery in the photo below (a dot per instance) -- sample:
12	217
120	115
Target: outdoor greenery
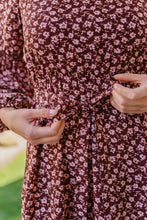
11	177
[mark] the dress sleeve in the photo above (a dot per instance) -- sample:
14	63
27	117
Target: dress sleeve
16	89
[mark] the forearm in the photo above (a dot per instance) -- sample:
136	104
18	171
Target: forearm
3	115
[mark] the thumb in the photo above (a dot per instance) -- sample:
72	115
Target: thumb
131	77
41	113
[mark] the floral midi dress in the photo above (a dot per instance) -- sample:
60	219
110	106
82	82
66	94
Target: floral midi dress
73	48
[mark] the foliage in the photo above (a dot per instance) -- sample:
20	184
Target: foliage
11	177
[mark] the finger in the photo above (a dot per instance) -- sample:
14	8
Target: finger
41	132
123	109
131	94
121	100
40	113
50	140
130	77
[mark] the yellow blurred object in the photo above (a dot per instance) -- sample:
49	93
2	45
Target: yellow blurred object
11	145
9	138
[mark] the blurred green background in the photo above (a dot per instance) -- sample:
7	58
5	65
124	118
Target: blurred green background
11	177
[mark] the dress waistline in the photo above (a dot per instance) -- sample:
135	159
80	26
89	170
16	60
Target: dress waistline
69	105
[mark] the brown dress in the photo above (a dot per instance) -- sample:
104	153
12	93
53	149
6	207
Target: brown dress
73	48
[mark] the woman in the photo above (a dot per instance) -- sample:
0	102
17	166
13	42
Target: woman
86	132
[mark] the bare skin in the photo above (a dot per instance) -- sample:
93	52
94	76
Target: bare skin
128	100
125	100
21	121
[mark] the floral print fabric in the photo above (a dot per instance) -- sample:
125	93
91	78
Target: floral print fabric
72	50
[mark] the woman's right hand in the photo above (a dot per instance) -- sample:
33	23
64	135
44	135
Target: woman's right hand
21	121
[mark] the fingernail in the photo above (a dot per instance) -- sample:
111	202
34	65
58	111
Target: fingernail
115	86
117	75
53	111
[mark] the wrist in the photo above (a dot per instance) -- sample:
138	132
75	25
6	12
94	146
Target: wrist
5	109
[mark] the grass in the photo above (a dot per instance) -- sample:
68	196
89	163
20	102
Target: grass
10	201
11	177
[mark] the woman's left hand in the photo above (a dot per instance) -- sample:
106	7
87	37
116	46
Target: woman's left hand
130	100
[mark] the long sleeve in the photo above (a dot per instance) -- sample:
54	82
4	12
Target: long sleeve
16	89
